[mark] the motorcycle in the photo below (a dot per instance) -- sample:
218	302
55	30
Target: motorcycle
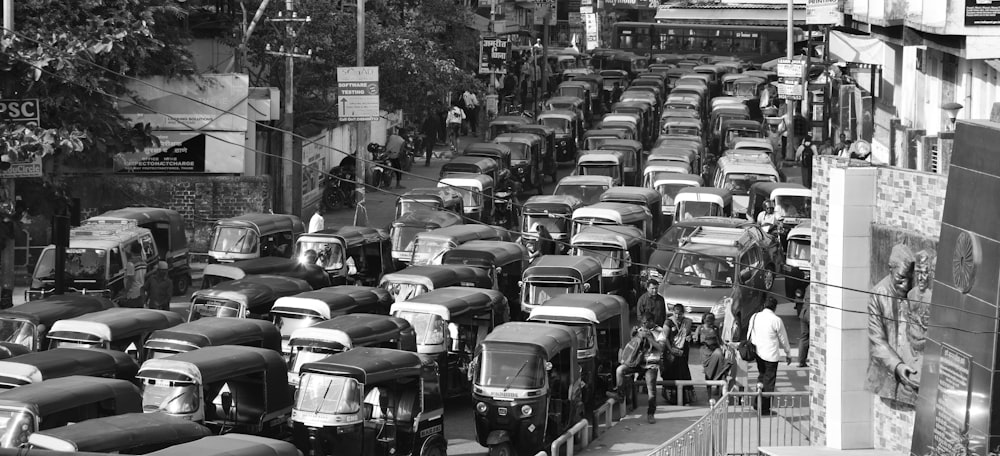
410	150
505	209
380	171
338	189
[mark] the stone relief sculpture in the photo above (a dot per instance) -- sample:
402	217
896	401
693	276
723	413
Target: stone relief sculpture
897	327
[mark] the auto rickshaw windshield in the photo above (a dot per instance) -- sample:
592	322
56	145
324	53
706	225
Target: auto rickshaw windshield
585	336
319	393
215	309
793	206
403	291
81	264
430	328
799	249
596	142
669	192
12	426
471	197
609	258
426	251
560	125
510	370
19	332
690	209
171	397
554	224
234	240
518	151
403	236
329	255
600	170
288	323
539	292
305	355
700	271
412	205
589	194
53	344
733	135
745	89
678	130
739	184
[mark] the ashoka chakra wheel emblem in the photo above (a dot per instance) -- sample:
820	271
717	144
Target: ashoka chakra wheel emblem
965	260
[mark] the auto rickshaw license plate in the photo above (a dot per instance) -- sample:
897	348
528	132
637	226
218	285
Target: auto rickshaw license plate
502	411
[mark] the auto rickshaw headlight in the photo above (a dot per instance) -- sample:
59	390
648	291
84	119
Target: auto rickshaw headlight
526	410
481	407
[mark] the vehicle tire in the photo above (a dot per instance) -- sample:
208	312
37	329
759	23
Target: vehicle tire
181	284
407	161
433	450
333	198
502	449
385	180
769	278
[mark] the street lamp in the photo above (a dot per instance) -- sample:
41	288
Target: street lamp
951	110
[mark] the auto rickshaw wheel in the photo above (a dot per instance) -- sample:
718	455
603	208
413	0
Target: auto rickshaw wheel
433	450
502	449
769	278
181	284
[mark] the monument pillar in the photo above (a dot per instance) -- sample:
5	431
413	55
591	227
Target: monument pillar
849	407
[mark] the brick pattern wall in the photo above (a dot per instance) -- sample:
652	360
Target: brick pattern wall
201	200
905	199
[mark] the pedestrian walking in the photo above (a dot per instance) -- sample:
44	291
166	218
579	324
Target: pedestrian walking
652	302
715	363
471	110
455	118
802	309
767	333
135	277
804	156
655	341
160	288
430	128
317	222
394	147
679	329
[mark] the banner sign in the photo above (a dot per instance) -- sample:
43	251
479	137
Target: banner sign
187	152
590	30
357	93
209	102
493	56
982	12
824	12
25	110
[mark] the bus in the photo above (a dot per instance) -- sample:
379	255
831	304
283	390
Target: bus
752	43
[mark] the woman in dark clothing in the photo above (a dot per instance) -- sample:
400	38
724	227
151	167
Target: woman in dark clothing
677	369
430	129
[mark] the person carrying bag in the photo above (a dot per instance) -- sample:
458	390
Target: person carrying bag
747	350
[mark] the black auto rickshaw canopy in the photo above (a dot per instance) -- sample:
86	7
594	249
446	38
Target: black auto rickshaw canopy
369	365
578	268
215	274
211	331
45	312
266	223
470	165
64	393
542	339
557	205
64	362
230	445
503	124
495	150
120	433
258	292
486	254
452	303
115	324
330	302
642	196
438	276
360	330
428	219
223	362
10	350
520	145
429	199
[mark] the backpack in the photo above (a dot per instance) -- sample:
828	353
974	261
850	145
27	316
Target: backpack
454	117
633	353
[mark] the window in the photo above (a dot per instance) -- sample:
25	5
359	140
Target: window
115	262
148	248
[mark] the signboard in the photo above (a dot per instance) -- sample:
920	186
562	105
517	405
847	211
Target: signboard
493	56
823	12
791	68
591	33
357	93
29	168
545	9
790	90
25	110
187	152
315	155
951	415
213	102
982	12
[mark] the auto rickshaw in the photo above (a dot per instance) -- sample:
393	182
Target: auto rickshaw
598	104
554	212
430	246
170	235
215	274
577	89
348	254
120	329
568	128
129	433
231	444
647	115
625	214
503	124
347	332
797	267
720	115
249	297
499	153
225	387
667	185
417	280
693	202
471	166
370	401
691	127
601	163
734	129
307	309
404	230
792	202
548	154
652	173
574	104
429	199
212	331
504	260
28	324
525	157
683	158
632	152
727	83
620	250
59	401
254	236
477	194
552	275
642	196
527	387
594	138
750	89
62	362
601	323
587	189
450	322
629	128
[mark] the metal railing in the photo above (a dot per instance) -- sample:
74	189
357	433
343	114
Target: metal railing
604	417
734	425
582	428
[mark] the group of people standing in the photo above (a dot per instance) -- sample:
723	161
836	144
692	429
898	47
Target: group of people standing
461	118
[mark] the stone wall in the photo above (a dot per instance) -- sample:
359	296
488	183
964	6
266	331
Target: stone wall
906	200
201	200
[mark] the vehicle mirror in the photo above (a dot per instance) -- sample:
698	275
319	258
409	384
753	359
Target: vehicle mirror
745	274
520	283
548	366
227	402
586	287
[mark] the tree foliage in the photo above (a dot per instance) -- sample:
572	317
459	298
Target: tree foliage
421	48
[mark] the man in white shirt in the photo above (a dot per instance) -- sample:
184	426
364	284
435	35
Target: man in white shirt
767	332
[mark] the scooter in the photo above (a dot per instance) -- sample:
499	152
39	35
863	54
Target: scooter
338	189
380	172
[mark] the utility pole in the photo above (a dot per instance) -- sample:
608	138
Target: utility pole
7	279
792	107
361	133
545	54
290	182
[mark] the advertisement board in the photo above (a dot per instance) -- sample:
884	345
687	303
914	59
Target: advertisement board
357	93
493	56
209	102
315	158
186	152
982	12
592	37
824	12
